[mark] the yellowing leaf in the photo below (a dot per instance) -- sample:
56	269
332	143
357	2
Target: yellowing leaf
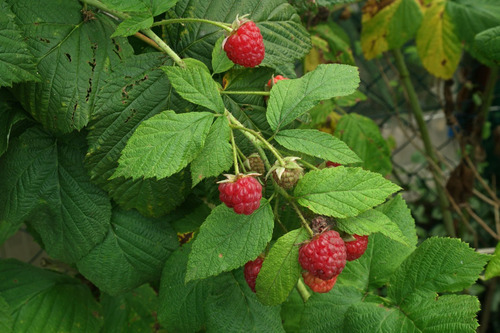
437	45
388	25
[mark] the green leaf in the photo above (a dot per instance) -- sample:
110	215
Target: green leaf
332	44
292	98
6	320
136	91
196	85
386	27
446	313
220	61
373	317
342	192
285	38
233	307
130	312
493	268
228	240
41	300
488	43
136	22
46	184
132	253
316	143
164	144
437	265
438	47
17	64
216	155
281	269
326	312
363	136
291	312
74	56
182	304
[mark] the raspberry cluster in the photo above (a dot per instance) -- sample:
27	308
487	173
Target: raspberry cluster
325	256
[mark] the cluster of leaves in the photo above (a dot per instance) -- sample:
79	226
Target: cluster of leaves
108	156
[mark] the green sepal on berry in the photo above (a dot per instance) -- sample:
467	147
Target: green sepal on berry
287	175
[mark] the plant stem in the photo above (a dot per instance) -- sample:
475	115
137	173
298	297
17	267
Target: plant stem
429	149
259	93
302	219
235	157
487	98
103	7
164	47
222	25
147	40
303	292
309	165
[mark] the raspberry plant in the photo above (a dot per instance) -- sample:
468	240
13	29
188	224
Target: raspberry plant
118	120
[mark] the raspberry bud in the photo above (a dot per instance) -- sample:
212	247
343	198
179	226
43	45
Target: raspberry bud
318	285
356	248
287	175
251	270
242	193
324	256
255	164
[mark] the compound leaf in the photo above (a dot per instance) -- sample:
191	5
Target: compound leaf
342	192
228	240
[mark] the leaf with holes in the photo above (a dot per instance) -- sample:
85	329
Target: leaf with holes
74	56
164	144
52	192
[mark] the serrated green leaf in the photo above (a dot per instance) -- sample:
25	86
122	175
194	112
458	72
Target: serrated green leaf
47	185
154	7
17	63
488	43
438	47
363	136
74	56
195	85
216	155
493	268
164	144
326	312
9	116
316	143
132	253
291	312
338	44
369	222
285	38
220	61
41	300
6	321
136	22
292	98
437	265
373	317
233	307
386	27
136	91
446	313
281	269
134	311
228	240
181	306
342	192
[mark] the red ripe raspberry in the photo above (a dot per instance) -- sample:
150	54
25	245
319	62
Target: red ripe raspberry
275	79
241	193
316	284
252	269
330	164
324	256
356	248
245	45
